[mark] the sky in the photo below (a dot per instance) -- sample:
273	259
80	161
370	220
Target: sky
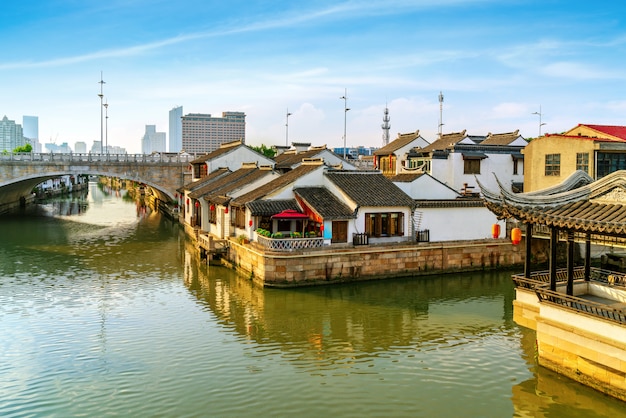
500	65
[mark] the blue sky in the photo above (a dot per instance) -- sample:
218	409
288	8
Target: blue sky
496	63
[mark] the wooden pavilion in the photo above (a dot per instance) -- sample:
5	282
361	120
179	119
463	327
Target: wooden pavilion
579	313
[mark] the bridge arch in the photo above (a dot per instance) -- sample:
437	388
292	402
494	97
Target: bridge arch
164	174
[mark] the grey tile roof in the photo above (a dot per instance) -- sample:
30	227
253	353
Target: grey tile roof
369	188
276	184
222	182
211	177
324	203
223	149
271	207
447	141
401	141
406	177
501	139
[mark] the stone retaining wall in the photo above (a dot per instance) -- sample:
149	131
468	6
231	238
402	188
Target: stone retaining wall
325	265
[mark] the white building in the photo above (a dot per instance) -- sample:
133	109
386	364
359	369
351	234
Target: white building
152	140
80	147
204	133
176	129
458	159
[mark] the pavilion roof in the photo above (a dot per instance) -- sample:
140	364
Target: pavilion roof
578	204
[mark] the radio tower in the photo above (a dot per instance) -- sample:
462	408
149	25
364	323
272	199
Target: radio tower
386	126
440	113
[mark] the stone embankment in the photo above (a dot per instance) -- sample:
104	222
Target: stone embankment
357	263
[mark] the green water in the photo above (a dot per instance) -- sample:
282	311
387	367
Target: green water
106	311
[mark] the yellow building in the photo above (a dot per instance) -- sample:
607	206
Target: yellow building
595	149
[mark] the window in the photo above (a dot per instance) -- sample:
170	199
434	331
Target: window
384	224
582	162
609	162
515	164
471	166
553	164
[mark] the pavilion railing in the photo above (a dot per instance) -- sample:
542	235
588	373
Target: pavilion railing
290	244
541	277
580	305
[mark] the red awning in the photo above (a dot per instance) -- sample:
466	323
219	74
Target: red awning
290	214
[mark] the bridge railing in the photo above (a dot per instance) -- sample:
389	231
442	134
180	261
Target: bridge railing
91	157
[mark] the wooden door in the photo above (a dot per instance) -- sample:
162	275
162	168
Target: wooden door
340	231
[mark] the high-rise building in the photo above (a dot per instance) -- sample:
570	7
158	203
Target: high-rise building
11	135
176	129
152	140
203	133
30	126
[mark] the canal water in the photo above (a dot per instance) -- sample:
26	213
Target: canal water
105	310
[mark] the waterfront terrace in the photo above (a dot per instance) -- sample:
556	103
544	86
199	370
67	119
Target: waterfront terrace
579	312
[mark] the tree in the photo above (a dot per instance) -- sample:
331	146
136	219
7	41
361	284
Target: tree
24	148
268	152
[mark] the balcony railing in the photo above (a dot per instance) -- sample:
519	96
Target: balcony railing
290	244
581	305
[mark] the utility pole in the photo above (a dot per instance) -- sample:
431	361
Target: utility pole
345	114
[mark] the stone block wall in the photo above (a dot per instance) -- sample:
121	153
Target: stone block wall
323	266
588	350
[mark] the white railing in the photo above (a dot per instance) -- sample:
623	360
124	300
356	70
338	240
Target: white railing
90	157
290	244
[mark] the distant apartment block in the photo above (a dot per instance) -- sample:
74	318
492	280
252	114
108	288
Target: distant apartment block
176	129
11	135
202	133
80	147
152	140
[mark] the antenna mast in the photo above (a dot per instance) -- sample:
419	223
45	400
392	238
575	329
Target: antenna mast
440	113
386	126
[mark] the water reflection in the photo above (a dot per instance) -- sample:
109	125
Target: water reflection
103	314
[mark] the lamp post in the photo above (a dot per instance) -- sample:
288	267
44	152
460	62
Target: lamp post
287	128
101	95
106	126
540	124
345	115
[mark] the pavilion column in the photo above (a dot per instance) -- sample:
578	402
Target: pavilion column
553	242
570	263
529	239
588	256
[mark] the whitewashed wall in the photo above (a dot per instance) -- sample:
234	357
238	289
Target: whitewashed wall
451	224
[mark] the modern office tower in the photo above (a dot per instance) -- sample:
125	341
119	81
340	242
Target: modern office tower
30	126
203	133
11	135
176	129
80	147
152	140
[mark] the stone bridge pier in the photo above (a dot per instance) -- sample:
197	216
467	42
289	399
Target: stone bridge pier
21	172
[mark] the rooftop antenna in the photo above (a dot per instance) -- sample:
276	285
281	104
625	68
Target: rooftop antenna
386	126
440	113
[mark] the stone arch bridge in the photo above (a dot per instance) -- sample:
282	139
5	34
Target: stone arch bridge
21	172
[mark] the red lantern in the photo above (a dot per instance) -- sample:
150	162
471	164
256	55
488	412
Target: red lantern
197	203
516	236
226	210
176	195
250	222
212	208
322	228
187	200
495	230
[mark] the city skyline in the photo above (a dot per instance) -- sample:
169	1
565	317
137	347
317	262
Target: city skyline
500	67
